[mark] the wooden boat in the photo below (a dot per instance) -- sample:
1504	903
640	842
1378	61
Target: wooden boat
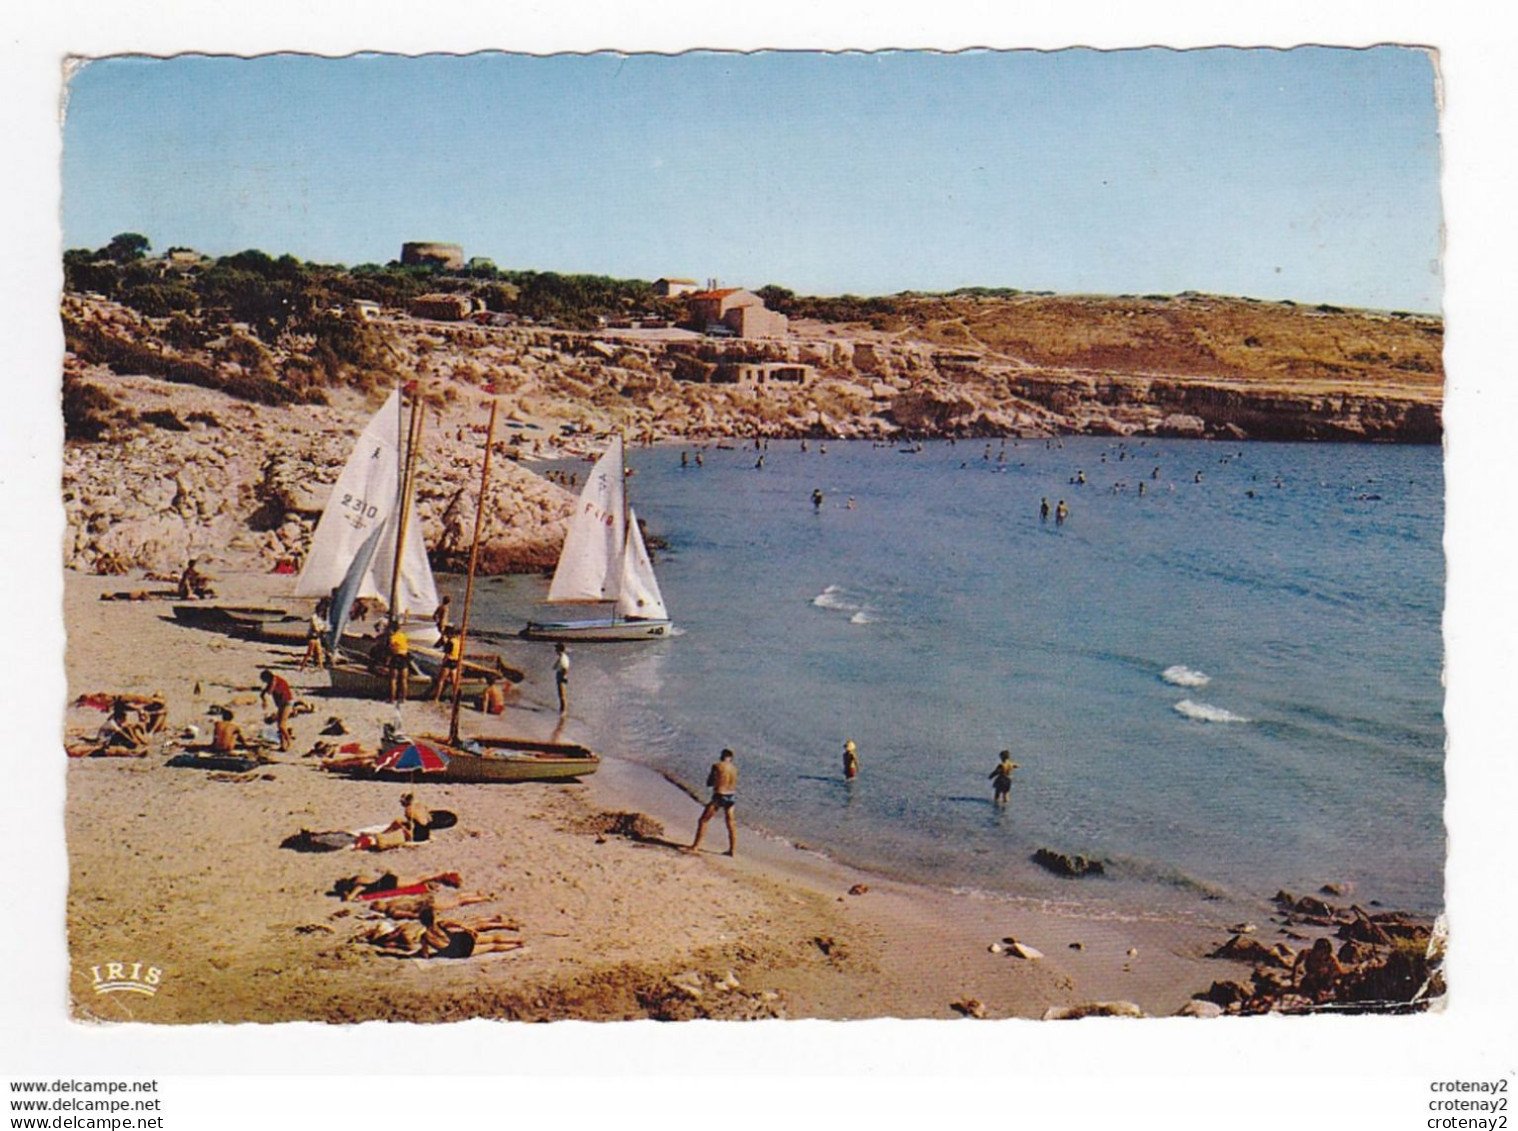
356	681
605	560
515	759
486	760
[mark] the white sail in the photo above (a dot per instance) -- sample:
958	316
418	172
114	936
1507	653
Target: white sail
590	565
363	502
416	591
639	594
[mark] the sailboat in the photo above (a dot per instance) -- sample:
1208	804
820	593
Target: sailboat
365	545
605	560
488	758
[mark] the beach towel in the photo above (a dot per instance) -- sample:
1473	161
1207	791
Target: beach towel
308	841
390	893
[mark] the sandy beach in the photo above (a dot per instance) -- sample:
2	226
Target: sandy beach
183	870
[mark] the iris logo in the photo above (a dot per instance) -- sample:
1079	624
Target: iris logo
122	977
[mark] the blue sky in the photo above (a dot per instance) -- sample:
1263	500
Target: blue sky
1310	174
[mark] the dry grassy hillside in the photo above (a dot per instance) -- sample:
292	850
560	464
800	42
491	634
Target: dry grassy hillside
1277	346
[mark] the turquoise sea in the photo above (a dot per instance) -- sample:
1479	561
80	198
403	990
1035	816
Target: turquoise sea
1223	686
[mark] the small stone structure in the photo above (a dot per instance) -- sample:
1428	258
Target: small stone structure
443	307
755	374
424	253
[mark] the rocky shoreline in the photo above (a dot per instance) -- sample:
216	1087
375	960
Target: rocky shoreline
168	458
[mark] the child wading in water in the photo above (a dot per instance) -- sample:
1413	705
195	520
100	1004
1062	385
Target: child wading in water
1001	778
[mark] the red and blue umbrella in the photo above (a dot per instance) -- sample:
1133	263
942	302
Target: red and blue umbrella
412	756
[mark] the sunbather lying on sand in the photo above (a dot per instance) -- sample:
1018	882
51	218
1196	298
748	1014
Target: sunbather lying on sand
403	938
431	937
363	887
443	938
411	906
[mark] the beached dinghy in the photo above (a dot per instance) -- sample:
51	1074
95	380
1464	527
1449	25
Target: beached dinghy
358	681
513	760
483	761
605	560
231	619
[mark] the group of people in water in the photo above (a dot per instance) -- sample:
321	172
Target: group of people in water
722	780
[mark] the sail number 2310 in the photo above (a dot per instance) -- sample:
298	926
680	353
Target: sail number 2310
359	507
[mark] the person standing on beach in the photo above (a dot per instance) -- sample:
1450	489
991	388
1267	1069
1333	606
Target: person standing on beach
316	631
278	689
723	778
399	647
440	615
1001	778
1043	510
1061	512
451	668
850	760
817	500
561	676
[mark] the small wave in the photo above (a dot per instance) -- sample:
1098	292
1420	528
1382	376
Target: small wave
835	597
1182	676
1205	712
862	617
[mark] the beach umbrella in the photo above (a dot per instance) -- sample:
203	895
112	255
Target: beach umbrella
412	756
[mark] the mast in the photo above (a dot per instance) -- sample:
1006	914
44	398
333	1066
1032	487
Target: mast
622	440
474	555
407	472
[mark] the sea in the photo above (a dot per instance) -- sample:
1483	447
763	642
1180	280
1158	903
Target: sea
1220	675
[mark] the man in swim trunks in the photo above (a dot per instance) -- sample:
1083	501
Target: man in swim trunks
400	663
450	668
850	760
723	778
226	736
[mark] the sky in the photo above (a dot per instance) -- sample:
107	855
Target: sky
1310	174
